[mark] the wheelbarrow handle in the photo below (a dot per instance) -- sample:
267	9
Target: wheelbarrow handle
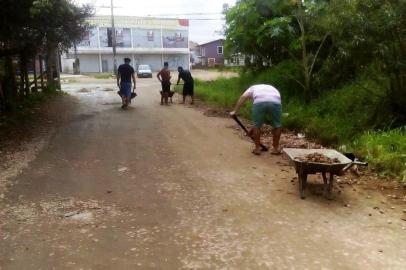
355	161
360	163
264	148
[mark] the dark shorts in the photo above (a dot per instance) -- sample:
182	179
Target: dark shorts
166	86
125	89
188	89
267	113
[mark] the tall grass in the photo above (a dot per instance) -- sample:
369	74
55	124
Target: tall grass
106	75
341	114
384	150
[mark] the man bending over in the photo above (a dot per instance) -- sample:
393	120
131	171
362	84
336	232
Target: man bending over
266	109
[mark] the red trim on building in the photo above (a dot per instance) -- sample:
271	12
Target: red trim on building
183	22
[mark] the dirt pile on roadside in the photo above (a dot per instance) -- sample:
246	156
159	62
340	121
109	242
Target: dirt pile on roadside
318	158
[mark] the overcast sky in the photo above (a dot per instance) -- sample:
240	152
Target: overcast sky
205	19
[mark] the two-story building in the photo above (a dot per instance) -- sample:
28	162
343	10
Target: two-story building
212	53
145	40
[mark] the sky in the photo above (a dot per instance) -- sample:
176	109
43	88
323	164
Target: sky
206	21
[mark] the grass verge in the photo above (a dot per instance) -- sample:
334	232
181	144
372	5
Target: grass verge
106	75
349	117
384	150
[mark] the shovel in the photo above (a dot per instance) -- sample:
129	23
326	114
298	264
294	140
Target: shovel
264	148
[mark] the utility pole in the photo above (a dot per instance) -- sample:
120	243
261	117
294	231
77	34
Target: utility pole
113	38
113	35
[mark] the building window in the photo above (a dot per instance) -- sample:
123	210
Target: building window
123	37
219	49
203	51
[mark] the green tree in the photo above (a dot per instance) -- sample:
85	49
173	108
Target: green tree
29	27
373	31
241	31
16	38
275	30
61	24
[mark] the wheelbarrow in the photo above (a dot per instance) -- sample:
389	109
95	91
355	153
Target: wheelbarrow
303	168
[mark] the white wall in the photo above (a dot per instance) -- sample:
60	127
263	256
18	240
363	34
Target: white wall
67	65
175	61
89	63
153	60
156	61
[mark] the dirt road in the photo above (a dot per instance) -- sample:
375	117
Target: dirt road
165	187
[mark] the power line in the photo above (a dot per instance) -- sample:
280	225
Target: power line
177	14
204	19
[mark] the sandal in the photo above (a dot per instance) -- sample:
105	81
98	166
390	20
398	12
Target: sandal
256	152
278	152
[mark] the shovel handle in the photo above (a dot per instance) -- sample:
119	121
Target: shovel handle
240	124
264	148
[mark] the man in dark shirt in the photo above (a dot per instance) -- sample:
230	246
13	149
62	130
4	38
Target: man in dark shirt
164	76
124	75
188	83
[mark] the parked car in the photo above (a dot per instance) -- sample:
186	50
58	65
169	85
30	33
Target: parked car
144	71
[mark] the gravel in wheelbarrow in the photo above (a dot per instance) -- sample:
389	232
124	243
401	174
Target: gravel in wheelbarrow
317	158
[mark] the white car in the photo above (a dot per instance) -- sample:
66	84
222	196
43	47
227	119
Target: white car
144	71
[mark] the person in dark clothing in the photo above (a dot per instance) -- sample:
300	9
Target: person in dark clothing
124	75
188	85
164	76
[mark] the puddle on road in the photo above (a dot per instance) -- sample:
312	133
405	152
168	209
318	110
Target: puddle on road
111	103
83	117
84	90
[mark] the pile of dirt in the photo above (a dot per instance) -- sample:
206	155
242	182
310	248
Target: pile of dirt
288	139
318	158
213	112
84	90
292	140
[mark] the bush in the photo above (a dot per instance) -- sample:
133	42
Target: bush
341	114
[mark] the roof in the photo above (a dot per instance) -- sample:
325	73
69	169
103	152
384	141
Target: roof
221	39
135	21
193	44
